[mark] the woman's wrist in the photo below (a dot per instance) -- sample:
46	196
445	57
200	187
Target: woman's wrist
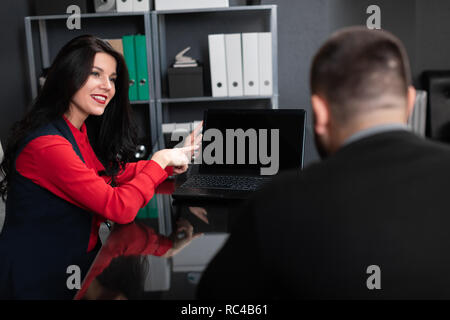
160	159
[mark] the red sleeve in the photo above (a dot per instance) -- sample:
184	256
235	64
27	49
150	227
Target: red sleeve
53	164
134	168
169	171
130	171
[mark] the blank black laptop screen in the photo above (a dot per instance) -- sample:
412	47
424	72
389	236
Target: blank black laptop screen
256	133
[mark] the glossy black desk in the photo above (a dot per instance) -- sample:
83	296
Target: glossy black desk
123	270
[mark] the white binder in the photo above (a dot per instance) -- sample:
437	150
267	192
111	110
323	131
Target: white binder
250	64
265	63
233	51
141	5
124	5
217	62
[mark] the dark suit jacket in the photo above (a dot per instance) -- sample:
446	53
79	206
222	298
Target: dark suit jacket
383	200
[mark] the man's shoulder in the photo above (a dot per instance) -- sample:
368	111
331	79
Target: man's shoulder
400	141
389	149
382	151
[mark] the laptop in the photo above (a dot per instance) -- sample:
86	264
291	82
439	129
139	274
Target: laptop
242	150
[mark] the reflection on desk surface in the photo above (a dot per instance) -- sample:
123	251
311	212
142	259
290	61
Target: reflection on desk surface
121	267
141	258
212	218
208	217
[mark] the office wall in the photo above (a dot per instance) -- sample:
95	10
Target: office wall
302	26
14	88
422	25
398	17
432	35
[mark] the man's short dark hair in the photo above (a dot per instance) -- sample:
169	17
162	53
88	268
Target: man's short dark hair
359	70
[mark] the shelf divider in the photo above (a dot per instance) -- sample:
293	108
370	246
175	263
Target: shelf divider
212	99
223	9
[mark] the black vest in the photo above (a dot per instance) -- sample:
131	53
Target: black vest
42	235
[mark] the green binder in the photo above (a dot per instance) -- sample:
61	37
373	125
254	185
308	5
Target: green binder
130	59
141	67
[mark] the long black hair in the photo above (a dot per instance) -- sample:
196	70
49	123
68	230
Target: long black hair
112	135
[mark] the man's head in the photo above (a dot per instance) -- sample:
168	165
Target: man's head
359	78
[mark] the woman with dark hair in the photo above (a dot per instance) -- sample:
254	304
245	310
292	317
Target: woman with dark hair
67	170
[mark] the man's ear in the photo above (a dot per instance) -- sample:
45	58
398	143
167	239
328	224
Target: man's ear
411	99
321	114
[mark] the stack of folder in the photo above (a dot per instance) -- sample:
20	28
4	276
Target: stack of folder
241	64
134	50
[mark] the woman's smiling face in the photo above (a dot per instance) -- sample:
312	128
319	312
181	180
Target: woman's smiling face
98	90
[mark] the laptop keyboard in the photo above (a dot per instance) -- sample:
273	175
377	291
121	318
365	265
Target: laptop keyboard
238	183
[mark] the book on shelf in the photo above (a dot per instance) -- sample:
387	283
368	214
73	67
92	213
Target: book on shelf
134	50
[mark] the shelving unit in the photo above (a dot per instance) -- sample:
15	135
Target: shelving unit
177	29
167	33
